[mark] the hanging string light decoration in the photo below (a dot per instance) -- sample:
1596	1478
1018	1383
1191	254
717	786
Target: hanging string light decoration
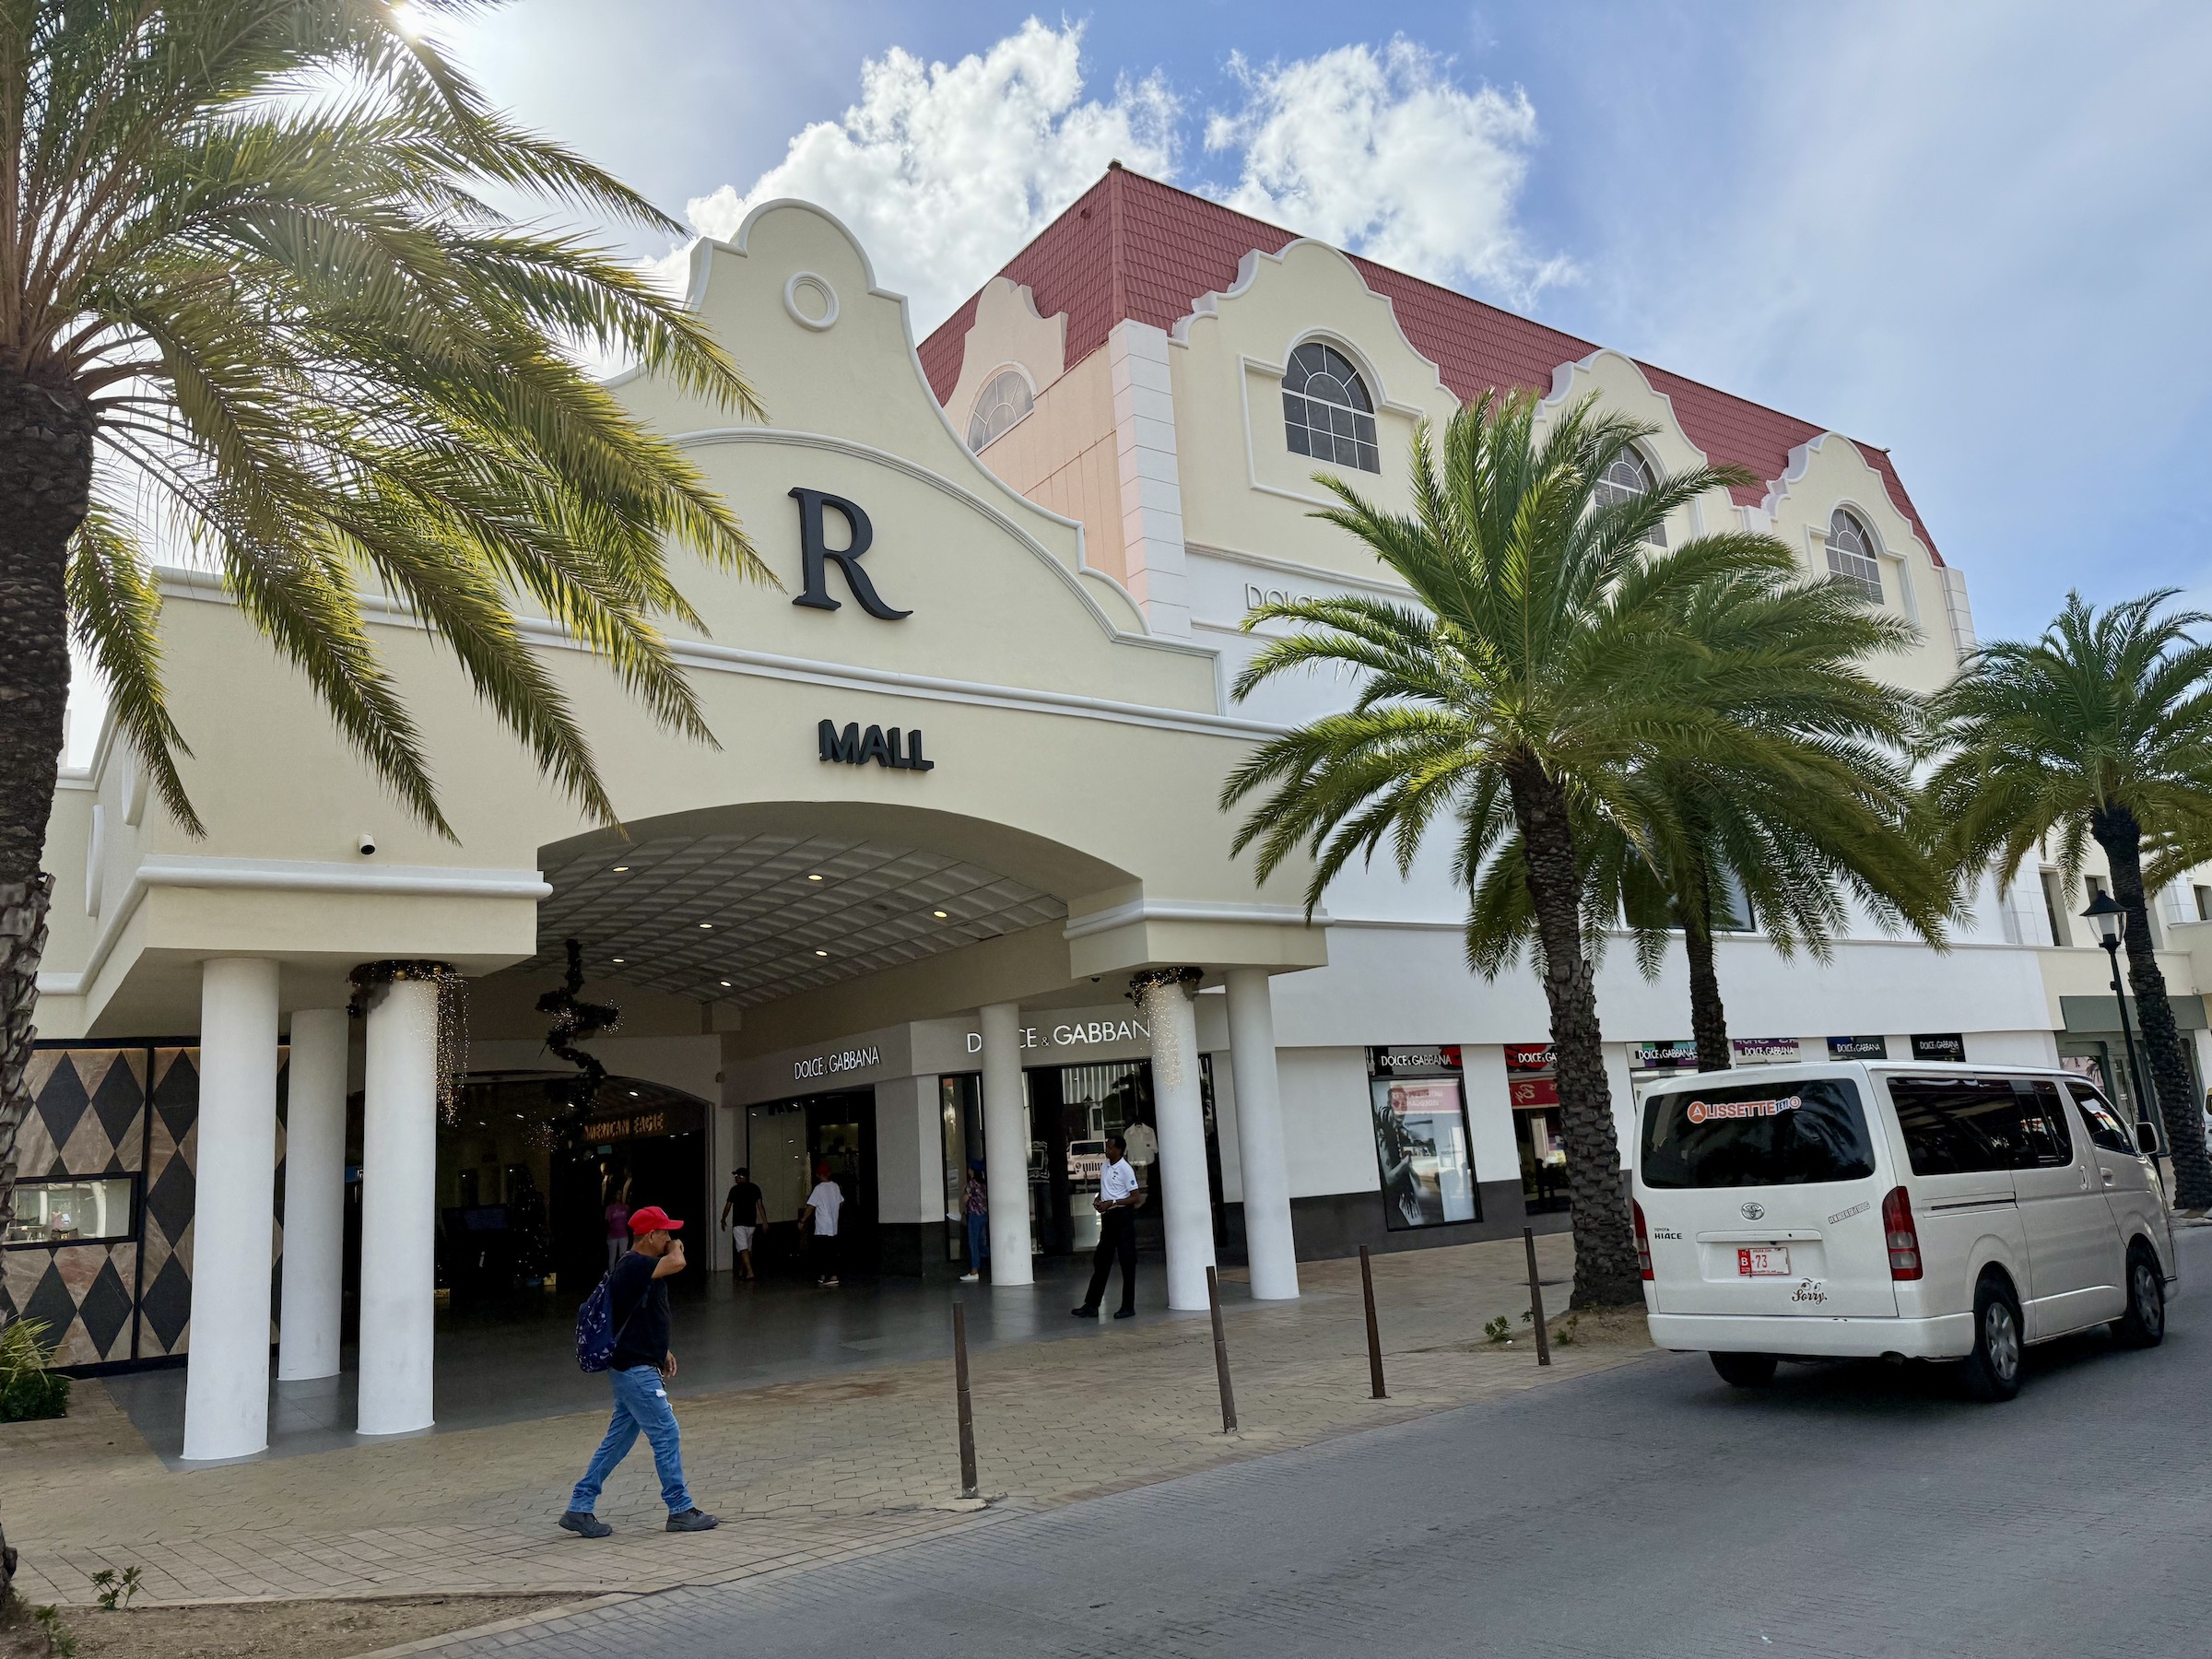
370	981
576	1021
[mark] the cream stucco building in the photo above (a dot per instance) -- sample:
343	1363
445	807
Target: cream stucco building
952	890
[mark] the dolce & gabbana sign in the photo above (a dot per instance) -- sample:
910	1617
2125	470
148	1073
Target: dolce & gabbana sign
836	1062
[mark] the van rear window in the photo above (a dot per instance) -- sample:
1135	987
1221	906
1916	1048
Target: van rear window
1757	1135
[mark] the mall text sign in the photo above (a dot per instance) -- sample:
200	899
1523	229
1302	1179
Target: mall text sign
899	752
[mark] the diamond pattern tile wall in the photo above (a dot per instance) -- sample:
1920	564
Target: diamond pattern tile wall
747	919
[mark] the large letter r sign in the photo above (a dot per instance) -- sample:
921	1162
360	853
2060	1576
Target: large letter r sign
819	555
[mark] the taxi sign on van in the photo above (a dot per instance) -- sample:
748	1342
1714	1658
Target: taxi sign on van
1701	1112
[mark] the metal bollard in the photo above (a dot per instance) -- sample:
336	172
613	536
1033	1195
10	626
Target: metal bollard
969	1485
1535	1298
1374	1338
1229	1396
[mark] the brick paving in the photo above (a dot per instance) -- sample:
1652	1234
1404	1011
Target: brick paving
805	1474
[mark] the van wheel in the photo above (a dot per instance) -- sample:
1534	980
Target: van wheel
1992	1371
2143	1324
1744	1370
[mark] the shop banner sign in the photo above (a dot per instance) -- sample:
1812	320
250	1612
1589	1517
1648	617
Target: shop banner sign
1529	1057
1946	1045
1680	1054
1858	1048
1769	1049
1413	1060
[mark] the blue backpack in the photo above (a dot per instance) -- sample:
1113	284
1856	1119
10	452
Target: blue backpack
595	1333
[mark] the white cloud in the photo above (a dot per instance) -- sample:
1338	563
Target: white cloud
1381	152
944	170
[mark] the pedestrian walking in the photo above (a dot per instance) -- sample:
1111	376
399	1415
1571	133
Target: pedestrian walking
1117	1203
640	1369
975	1204
617	1225
822	1206
742	1211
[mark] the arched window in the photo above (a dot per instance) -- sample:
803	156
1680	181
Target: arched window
1327	413
1630	475
1004	401
1852	555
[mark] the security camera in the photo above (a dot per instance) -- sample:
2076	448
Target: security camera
367	845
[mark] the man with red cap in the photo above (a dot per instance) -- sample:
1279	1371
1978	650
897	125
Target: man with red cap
638	1307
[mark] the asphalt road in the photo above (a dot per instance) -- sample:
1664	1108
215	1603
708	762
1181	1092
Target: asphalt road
1852	1510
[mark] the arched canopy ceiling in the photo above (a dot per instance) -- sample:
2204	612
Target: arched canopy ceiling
746	905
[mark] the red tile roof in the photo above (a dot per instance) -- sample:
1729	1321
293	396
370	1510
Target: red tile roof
1132	247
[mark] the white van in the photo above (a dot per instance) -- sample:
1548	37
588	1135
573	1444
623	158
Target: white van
1885	1210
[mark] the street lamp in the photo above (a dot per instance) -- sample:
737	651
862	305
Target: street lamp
2110	920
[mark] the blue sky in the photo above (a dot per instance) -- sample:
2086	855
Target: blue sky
1976	234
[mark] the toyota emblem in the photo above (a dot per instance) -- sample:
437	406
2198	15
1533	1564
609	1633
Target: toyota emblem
1754	1211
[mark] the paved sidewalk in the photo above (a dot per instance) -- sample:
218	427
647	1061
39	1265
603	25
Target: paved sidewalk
804	1473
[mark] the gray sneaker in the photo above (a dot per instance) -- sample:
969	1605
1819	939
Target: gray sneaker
584	1524
694	1520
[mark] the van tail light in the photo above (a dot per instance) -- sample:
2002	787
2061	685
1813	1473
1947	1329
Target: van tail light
1903	1237
1644	1242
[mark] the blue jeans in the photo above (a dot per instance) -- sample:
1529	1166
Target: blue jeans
979	1243
640	1404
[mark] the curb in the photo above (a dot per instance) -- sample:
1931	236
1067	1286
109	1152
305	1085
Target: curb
430	1644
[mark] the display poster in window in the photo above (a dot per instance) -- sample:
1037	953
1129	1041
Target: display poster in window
1674	1055
1421	1147
1858	1048
1940	1046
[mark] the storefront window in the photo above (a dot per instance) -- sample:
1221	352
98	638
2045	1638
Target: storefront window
82	1210
1532	1083
1422	1139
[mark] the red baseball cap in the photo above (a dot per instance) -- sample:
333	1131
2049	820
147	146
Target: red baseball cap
652	1218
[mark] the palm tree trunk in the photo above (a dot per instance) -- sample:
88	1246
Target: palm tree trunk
1604	1259
1708	1018
45	483
2121	838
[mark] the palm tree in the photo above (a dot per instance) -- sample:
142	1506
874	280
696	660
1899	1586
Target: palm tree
2099	730
256	307
1792	832
1546	664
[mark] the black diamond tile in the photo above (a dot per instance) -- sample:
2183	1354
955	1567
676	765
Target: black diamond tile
119	1101
167	1305
60	1104
168	1200
177	1095
106	1309
52	1303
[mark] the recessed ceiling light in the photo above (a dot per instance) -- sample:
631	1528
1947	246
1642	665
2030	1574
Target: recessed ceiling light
821	953
940	915
813	877
633	1094
726	985
706	923
618	962
620	868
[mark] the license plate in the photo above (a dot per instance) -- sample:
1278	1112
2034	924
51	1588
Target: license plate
1763	1260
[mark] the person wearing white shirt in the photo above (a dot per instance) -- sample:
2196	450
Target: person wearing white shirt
822	1206
1117	1203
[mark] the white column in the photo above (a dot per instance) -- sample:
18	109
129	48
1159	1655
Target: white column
399	1209
1267	1238
227	1375
1005	1145
314	1196
1184	1199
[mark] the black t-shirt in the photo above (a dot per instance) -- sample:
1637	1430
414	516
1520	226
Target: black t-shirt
745	1204
637	1303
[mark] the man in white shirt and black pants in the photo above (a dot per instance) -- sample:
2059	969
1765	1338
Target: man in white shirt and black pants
822	1206
1117	1203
